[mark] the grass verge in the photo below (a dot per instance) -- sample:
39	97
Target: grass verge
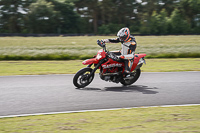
82	47
72	66
137	120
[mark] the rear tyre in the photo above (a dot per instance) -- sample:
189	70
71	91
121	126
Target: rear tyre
80	79
133	78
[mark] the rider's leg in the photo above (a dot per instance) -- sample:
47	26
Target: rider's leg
116	52
126	65
127	69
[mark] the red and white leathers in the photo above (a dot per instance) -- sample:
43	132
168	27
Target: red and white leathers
127	47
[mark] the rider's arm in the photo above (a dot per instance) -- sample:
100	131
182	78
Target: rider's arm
115	40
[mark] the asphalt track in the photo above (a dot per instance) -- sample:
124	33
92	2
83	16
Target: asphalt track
56	93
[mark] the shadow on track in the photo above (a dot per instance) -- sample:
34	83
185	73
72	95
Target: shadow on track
132	88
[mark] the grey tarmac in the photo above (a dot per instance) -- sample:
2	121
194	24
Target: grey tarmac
33	94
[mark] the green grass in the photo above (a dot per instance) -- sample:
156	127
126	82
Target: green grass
172	65
39	67
72	66
136	120
82	47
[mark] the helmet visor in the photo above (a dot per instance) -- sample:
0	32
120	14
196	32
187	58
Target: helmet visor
123	38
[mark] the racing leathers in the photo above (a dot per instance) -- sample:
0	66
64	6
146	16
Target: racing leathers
127	50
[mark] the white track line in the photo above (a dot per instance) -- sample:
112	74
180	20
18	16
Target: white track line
81	111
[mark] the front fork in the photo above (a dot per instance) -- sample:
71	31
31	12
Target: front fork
89	65
96	67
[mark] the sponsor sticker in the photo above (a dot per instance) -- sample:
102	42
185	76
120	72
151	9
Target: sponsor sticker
111	65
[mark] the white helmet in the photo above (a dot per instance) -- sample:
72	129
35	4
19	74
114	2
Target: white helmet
123	34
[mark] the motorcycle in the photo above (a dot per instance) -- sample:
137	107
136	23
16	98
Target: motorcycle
110	68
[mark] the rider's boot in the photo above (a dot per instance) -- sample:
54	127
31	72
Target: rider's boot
126	74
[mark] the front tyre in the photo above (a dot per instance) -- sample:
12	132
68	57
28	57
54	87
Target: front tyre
80	79
132	79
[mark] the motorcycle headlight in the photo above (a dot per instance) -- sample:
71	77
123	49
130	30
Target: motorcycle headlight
98	57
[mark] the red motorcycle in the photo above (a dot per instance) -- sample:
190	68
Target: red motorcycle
110	69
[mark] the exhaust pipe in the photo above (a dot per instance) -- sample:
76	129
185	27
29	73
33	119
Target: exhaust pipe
140	63
111	74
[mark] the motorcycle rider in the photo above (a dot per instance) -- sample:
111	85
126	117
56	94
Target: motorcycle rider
128	46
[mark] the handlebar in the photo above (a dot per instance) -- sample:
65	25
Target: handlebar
102	44
110	54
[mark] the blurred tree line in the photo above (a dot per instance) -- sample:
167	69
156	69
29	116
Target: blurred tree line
100	16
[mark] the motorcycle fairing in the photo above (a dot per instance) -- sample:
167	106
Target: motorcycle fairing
136	60
90	61
111	64
100	55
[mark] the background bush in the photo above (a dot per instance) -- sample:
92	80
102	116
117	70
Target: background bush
100	16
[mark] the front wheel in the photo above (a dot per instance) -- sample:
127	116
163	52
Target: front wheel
81	77
132	79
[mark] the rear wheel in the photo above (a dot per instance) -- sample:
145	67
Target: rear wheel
132	79
81	77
